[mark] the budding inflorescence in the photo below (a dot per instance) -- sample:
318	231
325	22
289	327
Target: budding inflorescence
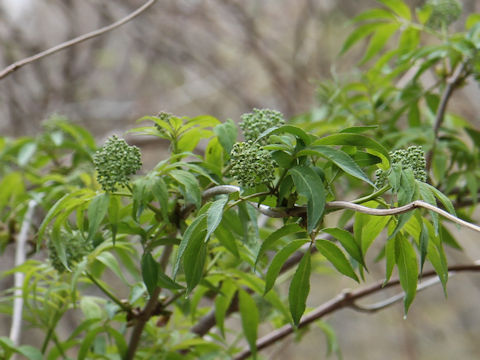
115	162
443	13
251	165
412	158
76	248
256	122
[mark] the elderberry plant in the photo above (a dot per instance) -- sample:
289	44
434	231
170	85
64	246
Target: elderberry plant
175	253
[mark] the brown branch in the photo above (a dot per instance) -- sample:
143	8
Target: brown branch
18	64
452	83
343	300
148	311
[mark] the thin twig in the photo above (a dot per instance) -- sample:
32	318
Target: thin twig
18	64
148	310
452	83
281	213
343	300
15	330
371	308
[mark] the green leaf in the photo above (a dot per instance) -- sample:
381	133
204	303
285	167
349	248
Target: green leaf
160	192
423	246
149	272
11	185
310	185
222	303
111	262
390	259
198	225
428	196
96	213
407	268
214	215
166	282
436	256
366	228
299	288
443	199
227	134
398	7
227	239
378	40
374	14
114	215
191	192
357	140
339	158
348	242
250	319
30	352
278	261
26	153
472	19
358	34
194	261
271	239
289	129
140	196
333	254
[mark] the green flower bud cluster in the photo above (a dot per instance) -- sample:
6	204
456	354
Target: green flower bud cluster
164	116
444	12
76	248
256	122
115	162
412	158
251	165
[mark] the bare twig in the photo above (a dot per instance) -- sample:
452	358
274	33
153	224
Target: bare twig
343	300
452	83
18	64
19	277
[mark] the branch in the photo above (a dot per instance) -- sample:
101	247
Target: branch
19	277
148	311
343	300
298	210
400	210
18	64
452	83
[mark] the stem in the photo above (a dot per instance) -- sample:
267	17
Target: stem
18	64
110	295
343	300
372	195
148	310
452	83
245	198
20	256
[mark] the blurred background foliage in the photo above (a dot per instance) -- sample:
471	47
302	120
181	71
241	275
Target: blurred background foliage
224	57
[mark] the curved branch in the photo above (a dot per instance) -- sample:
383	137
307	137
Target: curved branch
343	300
400	210
298	210
18	64
19	277
452	83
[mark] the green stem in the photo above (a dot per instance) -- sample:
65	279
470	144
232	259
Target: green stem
372	195
248	197
110	295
